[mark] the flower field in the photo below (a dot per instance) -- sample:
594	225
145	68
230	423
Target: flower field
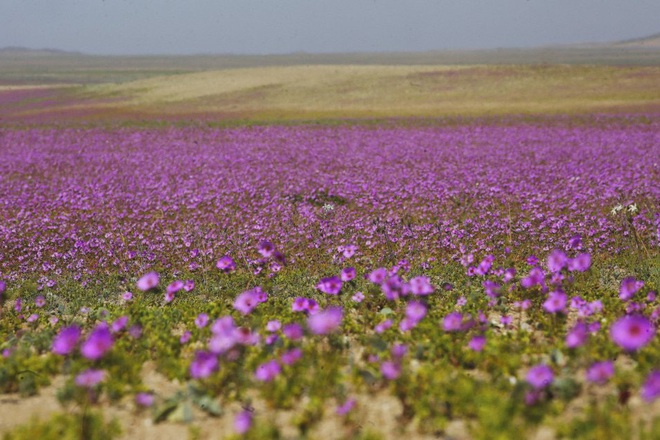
476	279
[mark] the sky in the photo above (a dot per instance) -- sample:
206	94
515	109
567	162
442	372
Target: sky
132	27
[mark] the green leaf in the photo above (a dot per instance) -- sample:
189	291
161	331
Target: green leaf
209	405
386	311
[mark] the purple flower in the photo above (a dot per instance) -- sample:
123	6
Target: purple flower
127	296
651	387
148	281
577	336
381	327
415	311
330	285
98	343
273	326
575	241
267	371
90	378
378	276
169	297
305	305
358	297
65	341
536	277
540	376
348	274
144	399
185	337
174	286
349	251
557	260
325	321
390	370
40	301
3	287
247	301
226	264
629	286
293	331
33	317
452	322
135	331
346	407
581	263
421	286
291	357
18	305
556	302
203	365
399	351
477	343
632	332
119	324
243	422
600	372
189	285
202	320
266	249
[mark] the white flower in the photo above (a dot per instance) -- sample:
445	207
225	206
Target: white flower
632	208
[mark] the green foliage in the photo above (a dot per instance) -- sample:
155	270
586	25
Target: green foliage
87	426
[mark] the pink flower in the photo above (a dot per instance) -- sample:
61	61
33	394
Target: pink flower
347	274
267	371
226	264
66	340
204	364
632	332
477	343
90	378
325	321
330	285
540	376
629	286
202	320
421	286
390	370
98	343
600	372
148	281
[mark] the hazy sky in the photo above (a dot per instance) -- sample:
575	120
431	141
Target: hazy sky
284	26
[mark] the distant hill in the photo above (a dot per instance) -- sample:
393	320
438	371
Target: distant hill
651	41
25	51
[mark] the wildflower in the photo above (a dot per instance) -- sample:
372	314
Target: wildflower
293	331
349	251
651	386
347	274
3	287
575	241
266	249
557	260
629	286
53	320
452	322
477	343
506	320
556	302
346	407
600	372
98	343
330	285
399	351
305	305
127	296
358	297
415	311
90	378
461	301
169	297
119	324
632	332
385	325
202	320
188	285
491	288
40	301
378	276
66	340
325	321
273	326
581	263
267	371
33	317
185	337
392	287
540	376
509	275
390	370
243	422
247	301
226	264
203	365
577	336
135	331
18	305
148	281
536	277
144	399
291	357
421	286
